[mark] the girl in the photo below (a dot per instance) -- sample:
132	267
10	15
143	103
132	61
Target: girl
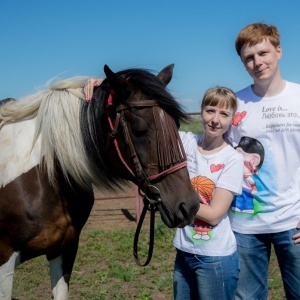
206	264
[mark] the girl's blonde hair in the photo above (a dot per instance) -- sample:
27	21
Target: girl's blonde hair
220	96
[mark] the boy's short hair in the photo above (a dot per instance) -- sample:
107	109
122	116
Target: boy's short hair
255	33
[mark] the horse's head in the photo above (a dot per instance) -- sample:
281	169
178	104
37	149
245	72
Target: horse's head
142	142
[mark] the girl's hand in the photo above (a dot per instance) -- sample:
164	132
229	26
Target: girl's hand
89	87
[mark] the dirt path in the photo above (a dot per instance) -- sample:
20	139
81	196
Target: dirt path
113	210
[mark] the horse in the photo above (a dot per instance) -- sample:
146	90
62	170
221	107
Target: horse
55	147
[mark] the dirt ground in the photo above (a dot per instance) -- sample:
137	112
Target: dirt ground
111	211
115	210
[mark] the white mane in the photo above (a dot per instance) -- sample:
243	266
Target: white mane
57	115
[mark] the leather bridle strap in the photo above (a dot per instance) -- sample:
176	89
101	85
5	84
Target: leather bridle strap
120	119
139	175
139	171
168	171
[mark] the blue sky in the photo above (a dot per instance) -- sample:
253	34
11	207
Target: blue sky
40	40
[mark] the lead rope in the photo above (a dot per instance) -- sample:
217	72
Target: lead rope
152	209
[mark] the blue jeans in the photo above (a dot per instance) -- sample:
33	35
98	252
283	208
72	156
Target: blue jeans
205	277
254	253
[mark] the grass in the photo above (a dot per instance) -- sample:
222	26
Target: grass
194	125
105	269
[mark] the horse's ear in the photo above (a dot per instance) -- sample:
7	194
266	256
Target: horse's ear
165	75
121	87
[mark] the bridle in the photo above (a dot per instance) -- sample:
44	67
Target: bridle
149	192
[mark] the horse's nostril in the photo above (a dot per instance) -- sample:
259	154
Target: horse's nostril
183	210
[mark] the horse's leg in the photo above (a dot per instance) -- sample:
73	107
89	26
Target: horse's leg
7	276
60	271
60	288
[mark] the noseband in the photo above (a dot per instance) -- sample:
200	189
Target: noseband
168	163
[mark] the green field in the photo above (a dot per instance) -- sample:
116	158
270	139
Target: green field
105	269
194	125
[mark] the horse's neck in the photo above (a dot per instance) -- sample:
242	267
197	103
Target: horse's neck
17	150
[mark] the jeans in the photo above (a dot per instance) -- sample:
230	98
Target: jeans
205	277
254	252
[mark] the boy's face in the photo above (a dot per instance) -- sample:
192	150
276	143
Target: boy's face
261	60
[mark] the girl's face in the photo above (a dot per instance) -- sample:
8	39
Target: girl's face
216	120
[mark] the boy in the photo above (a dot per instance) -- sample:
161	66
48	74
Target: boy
269	112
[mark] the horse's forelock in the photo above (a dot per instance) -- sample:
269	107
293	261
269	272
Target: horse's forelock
153	88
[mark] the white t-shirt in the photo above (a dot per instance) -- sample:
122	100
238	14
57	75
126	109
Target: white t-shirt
223	169
270	201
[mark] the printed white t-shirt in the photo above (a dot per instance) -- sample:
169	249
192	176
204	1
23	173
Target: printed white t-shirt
223	169
267	132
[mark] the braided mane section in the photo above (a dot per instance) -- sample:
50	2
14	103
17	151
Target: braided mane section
170	149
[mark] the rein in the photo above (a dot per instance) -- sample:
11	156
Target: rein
151	197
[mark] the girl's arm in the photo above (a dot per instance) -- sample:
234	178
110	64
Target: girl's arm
219	205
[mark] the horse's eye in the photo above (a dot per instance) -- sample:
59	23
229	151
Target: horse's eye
138	133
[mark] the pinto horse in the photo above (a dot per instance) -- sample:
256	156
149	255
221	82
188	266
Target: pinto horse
55	146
